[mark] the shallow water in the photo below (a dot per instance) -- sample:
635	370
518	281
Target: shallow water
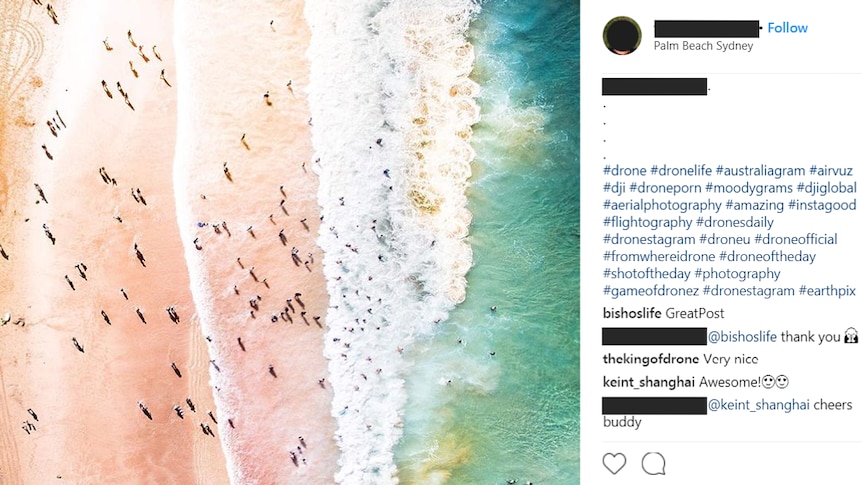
471	416
392	106
425	375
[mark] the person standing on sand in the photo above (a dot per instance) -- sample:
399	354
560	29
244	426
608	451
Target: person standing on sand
72	285
145	410
41	193
123	291
105	316
140	315
47	153
162	77
157	56
128	103
141	53
131	40
140	256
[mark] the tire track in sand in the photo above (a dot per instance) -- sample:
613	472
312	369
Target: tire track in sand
9	461
201	394
23	46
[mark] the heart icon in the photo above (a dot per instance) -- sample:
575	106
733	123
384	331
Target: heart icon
614	462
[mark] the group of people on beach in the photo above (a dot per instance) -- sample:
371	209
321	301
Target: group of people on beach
144	57
50	10
285	309
28	426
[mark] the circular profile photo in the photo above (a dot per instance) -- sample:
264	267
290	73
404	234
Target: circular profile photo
622	35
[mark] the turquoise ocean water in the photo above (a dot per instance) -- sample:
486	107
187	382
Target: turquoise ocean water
473	417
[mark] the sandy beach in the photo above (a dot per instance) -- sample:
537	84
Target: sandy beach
117	319
244	165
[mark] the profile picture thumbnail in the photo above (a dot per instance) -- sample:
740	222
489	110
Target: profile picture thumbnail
622	35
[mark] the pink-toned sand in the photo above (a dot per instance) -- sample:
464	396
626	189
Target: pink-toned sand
90	428
226	73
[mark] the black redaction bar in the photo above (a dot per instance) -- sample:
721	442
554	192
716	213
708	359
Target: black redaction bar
653	336
654	405
653	86
705	29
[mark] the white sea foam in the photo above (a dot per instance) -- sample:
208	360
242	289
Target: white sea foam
395	213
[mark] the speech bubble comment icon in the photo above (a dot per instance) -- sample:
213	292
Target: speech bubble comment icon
614	462
653	463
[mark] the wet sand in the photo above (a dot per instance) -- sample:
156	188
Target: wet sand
90	428
265	144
